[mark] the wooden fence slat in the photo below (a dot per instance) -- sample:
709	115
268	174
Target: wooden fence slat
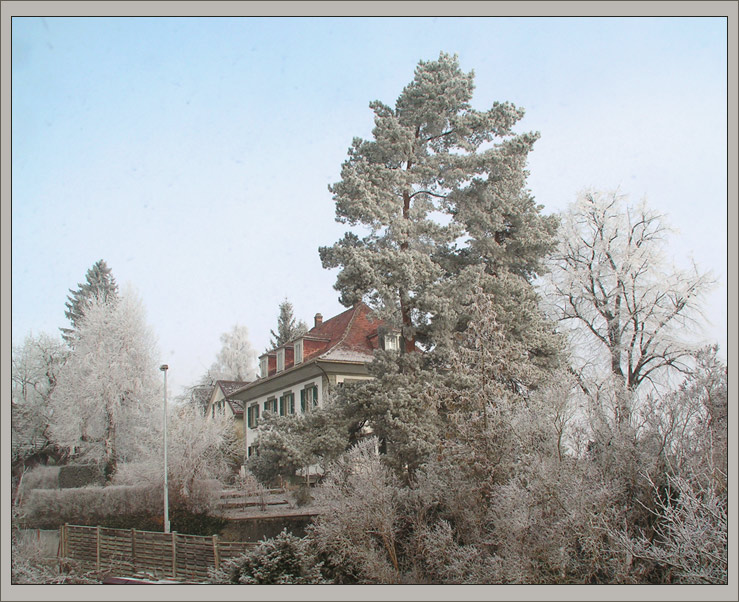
133	549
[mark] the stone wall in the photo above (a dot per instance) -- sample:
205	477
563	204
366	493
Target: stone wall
259	528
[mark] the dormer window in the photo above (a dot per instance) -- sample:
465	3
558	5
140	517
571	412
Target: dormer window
280	359
264	366
392	341
299	351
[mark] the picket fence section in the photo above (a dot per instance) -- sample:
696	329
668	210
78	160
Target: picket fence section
160	555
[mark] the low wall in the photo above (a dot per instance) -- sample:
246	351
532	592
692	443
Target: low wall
265	527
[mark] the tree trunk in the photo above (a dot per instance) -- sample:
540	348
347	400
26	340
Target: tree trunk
110	447
405	313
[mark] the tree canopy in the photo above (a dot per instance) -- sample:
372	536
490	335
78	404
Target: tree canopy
439	189
610	286
106	399
99	283
237	358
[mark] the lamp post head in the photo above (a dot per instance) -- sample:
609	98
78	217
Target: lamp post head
164	367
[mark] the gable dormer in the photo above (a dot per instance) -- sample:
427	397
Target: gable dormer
388	339
267	364
298	352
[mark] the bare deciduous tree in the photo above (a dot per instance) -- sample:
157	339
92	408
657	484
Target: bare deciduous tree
35	368
691	542
609	283
236	360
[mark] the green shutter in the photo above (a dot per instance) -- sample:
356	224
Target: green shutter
292	403
302	401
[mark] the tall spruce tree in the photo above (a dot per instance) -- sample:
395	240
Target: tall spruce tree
441	191
288	328
99	284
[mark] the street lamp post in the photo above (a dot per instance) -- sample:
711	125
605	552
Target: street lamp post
164	368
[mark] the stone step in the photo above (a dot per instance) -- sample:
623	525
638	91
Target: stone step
228	493
252	503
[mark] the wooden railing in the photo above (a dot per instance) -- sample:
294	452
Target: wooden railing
160	555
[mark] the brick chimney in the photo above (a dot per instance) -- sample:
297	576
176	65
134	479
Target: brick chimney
318	320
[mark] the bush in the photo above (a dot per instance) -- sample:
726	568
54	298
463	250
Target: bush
123	507
40	477
73	476
205	496
138	473
49	508
282	560
303	496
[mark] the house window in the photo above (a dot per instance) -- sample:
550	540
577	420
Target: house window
392	342
308	398
252	416
287	404
280	359
264	367
299	351
271	405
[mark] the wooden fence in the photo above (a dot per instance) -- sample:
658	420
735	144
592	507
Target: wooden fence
160	555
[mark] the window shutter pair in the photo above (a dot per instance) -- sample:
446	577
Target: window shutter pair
308	398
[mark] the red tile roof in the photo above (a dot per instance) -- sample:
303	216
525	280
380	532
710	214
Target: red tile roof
350	332
350	336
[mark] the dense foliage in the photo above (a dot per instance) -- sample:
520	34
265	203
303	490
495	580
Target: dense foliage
581	440
99	285
36	366
538	428
105	403
280	560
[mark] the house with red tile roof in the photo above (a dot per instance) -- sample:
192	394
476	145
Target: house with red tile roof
296	377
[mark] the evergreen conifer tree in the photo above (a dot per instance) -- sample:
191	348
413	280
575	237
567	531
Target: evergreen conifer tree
288	328
441	190
99	284
439	197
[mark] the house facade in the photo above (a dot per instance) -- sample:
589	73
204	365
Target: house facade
297	377
222	403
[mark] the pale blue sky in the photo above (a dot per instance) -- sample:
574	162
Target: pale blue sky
194	154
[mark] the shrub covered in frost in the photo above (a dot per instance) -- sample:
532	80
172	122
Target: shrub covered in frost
40	477
284	559
49	508
80	475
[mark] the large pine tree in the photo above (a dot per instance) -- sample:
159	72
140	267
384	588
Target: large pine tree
439	197
442	216
99	285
